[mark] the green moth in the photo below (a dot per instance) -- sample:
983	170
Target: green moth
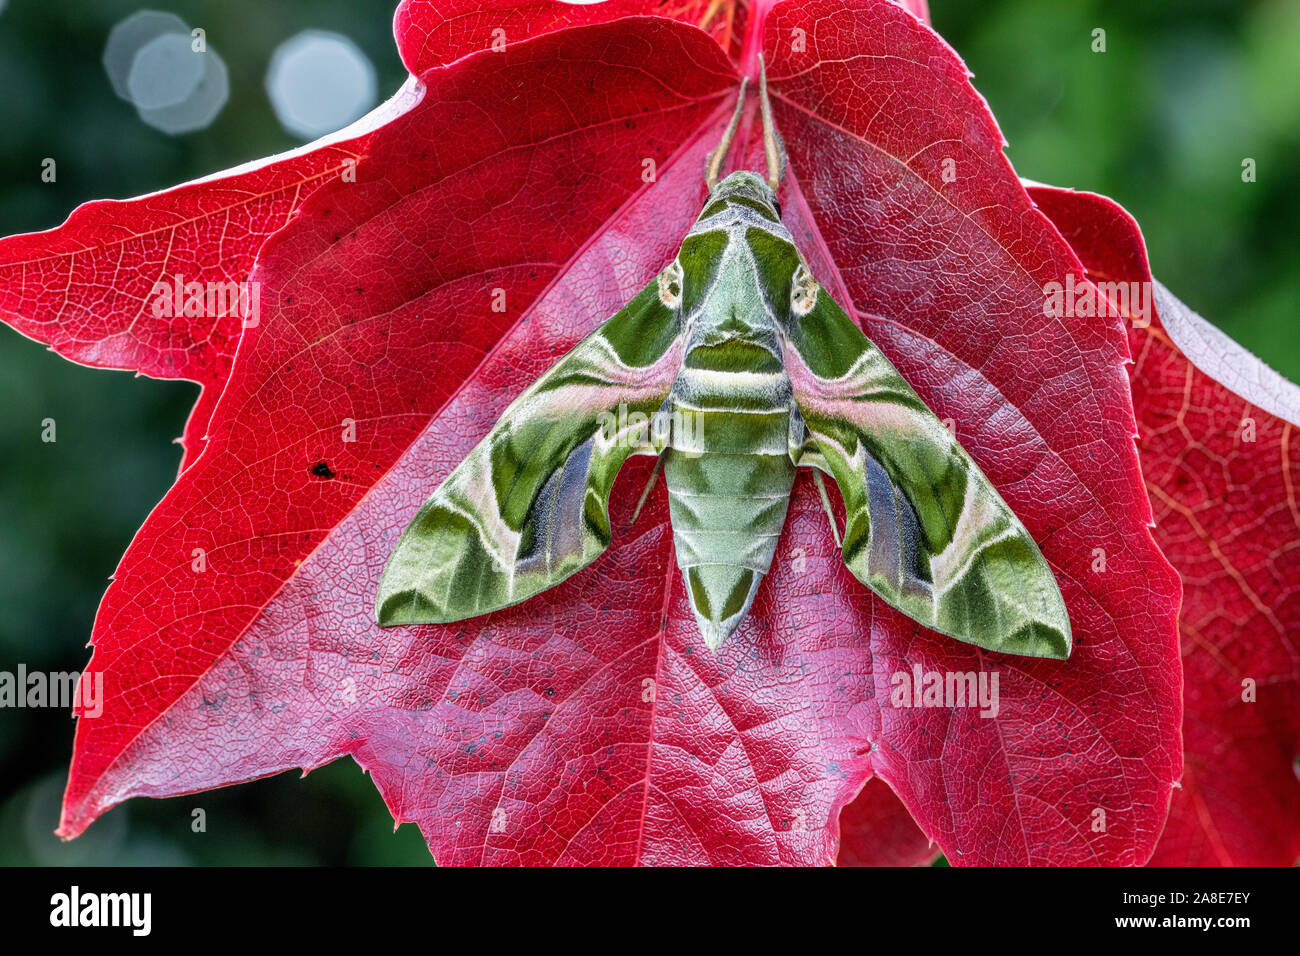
733	367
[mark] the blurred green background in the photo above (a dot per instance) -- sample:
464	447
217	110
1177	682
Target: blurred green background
1161	122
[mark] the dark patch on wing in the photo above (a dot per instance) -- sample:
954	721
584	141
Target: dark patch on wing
895	533
556	520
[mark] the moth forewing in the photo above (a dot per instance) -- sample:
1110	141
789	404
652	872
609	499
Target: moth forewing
529	505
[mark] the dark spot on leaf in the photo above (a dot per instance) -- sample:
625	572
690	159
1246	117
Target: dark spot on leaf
322	469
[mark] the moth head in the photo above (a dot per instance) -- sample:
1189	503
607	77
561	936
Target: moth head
746	185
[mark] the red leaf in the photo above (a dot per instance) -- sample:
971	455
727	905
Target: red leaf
591	725
435	32
1228	517
85	288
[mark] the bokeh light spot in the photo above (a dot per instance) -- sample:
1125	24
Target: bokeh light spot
201	107
165	72
319	82
152	63
129	36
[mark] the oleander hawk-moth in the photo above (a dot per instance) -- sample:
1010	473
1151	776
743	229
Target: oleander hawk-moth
733	367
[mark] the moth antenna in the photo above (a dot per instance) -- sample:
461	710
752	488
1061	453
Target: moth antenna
773	148
719	155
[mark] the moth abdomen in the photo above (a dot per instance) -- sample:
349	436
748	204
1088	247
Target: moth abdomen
728	492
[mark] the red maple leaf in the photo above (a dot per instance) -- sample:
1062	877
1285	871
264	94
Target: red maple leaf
589	725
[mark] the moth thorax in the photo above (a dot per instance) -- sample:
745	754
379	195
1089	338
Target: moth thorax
747	185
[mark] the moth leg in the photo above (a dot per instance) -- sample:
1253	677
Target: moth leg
649	486
659	439
804	452
826	504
